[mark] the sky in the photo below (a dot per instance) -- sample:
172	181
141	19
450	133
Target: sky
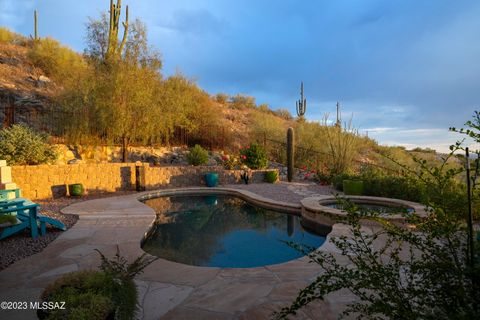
404	71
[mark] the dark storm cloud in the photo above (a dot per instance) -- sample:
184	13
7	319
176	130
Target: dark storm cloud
404	64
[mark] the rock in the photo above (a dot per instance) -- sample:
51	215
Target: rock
9	60
74	161
211	162
43	81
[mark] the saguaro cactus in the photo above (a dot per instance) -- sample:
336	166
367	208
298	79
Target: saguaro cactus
338	123
301	104
35	28
113	48
290	154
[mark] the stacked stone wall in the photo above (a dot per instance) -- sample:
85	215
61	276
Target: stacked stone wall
47	181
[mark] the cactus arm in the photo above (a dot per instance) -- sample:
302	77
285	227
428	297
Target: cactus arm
35	20
125	32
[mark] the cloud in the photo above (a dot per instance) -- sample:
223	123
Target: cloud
14	12
197	22
392	64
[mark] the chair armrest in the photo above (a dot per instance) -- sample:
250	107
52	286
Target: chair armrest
19	208
10	203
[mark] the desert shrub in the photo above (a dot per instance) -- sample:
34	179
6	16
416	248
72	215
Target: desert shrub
221	98
394	187
242	102
197	156
57	61
20	145
283	113
87	295
7	36
254	156
106	294
398	187
271	176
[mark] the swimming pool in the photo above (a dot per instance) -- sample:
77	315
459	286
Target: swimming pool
224	231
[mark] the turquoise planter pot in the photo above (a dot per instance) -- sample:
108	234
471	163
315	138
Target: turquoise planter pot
211	179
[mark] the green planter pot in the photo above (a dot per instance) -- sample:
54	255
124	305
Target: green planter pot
75	189
271	176
353	187
211	179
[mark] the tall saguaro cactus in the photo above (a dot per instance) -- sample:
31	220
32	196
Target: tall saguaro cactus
35	25
290	154
338	123
113	49
301	104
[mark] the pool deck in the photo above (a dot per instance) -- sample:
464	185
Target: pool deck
169	290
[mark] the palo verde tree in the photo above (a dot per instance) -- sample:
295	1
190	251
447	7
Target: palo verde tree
118	101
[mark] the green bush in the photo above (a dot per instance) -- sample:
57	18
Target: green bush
394	187
107	294
253	156
20	145
377	185
353	187
7	36
87	295
271	176
57	61
197	156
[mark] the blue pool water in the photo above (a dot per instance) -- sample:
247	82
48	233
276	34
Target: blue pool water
224	231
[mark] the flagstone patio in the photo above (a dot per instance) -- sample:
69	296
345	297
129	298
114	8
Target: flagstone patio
169	290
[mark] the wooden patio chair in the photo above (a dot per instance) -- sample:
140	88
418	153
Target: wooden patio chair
26	215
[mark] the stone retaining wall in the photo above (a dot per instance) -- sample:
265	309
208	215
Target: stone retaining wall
47	181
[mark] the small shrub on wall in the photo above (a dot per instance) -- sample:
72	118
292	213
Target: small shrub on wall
197	156
254	156
20	145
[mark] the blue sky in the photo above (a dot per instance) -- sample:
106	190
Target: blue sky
406	70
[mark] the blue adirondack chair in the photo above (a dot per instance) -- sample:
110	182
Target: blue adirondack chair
25	213
4	193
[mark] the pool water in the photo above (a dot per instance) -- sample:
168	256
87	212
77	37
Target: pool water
224	231
381	209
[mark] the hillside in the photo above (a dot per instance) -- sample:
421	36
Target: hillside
27	89
33	75
23	86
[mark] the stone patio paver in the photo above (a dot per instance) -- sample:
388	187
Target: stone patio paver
168	290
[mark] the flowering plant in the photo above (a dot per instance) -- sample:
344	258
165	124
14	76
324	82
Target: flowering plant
229	161
254	156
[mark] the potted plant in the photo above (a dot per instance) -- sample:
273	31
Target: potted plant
271	176
211	179
76	189
353	187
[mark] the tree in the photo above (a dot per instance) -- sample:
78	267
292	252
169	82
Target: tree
121	102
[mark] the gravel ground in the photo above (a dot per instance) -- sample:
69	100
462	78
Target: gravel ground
21	245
